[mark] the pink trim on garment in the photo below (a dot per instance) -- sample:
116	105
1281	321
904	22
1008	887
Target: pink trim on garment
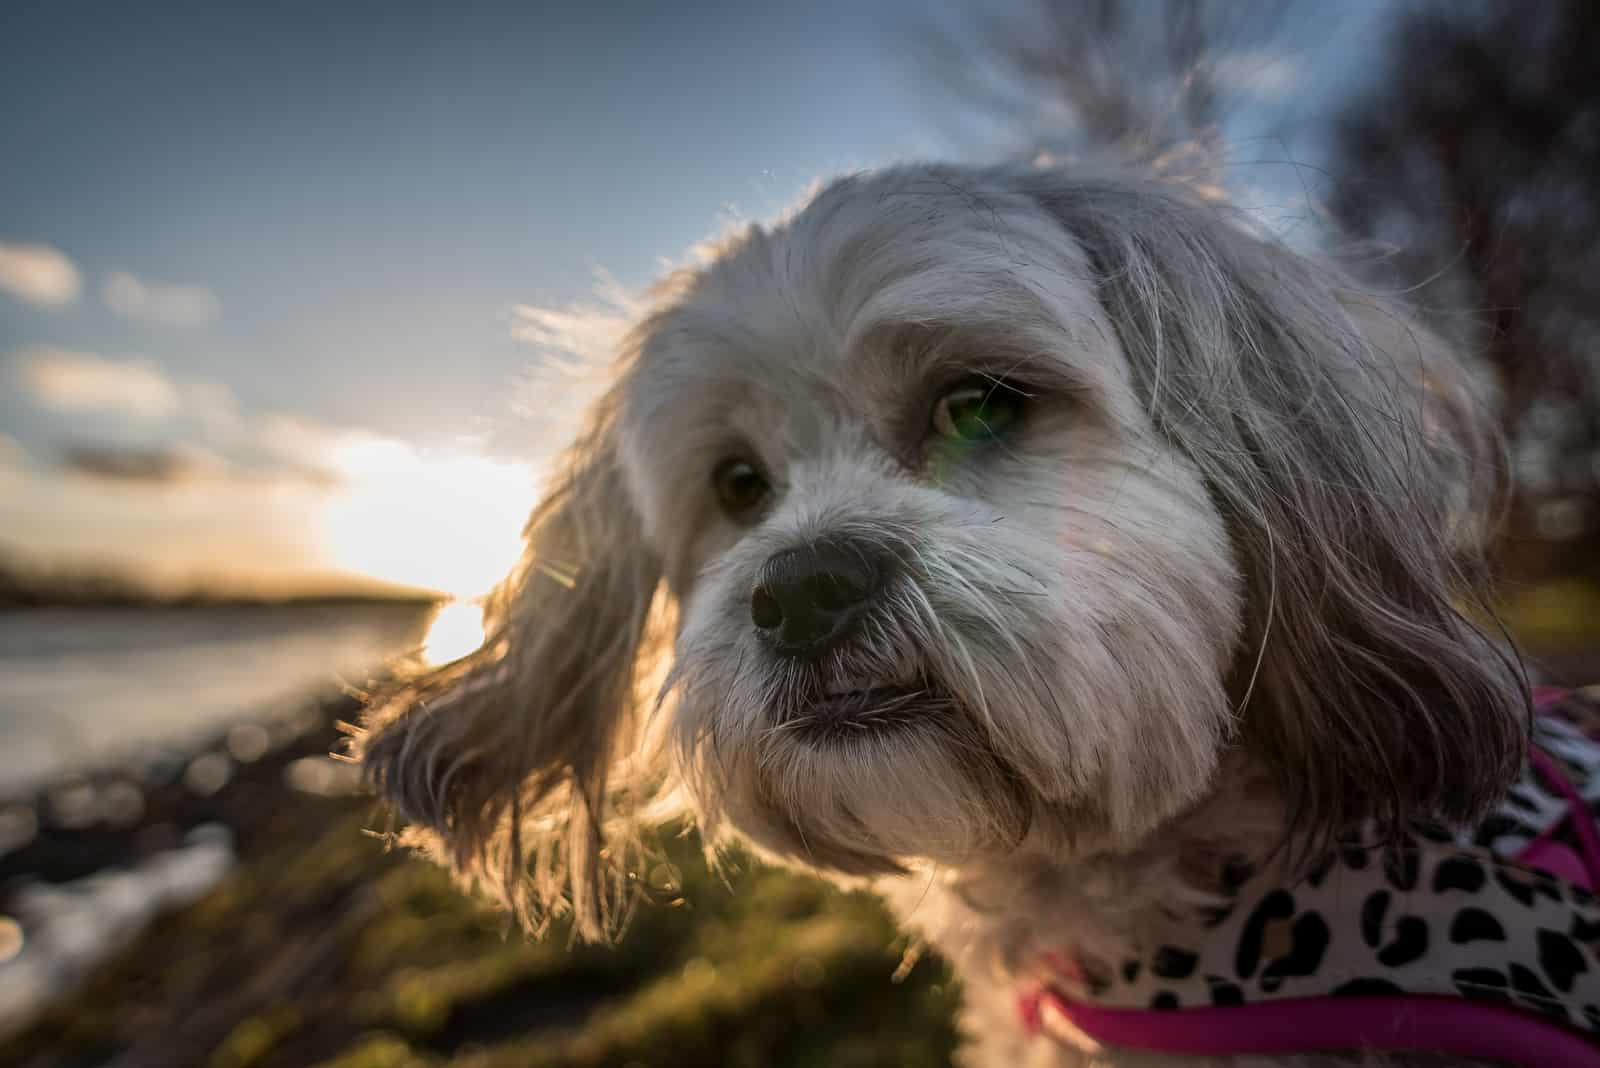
1582	827
1450	1026
1398	1023
1554	858
1543	853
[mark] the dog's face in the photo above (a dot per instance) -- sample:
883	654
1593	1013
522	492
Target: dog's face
941	582
994	508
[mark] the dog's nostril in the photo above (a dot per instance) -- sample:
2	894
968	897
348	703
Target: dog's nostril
765	611
806	600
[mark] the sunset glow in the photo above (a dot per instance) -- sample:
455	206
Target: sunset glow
449	521
454	632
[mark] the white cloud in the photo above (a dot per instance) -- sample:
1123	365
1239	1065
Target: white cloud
160	302
295	440
13	461
38	274
200	488
166	414
161	465
212	405
67	381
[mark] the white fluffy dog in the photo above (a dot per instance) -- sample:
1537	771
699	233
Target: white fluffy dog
1033	543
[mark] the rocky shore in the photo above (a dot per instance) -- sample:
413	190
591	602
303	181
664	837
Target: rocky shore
226	909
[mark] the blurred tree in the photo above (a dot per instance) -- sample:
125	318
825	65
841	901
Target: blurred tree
1473	164
1150	81
1465	173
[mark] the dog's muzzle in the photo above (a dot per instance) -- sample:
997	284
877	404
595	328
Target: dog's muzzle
810	599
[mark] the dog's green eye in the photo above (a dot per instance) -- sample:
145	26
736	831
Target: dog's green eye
740	487
977	410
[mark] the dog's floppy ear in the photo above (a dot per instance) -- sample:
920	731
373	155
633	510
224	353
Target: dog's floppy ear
504	760
1351	461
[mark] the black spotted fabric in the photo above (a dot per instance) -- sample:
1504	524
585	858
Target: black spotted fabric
1434	914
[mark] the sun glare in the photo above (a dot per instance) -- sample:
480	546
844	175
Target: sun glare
455	631
441	520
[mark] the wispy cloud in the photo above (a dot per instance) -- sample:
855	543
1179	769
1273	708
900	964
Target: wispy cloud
179	428
172	475
73	382
186	463
153	466
67	381
293	439
212	405
38	274
13	460
160	302
180	533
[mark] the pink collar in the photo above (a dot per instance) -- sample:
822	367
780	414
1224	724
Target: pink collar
1454	1027
1484	944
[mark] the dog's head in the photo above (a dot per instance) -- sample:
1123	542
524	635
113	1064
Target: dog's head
967	509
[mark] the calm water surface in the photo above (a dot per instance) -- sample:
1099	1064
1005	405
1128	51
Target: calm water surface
86	687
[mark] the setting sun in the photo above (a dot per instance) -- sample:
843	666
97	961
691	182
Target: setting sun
455	630
441	520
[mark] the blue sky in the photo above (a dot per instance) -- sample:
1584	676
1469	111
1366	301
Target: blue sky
322	217
262	257
367	188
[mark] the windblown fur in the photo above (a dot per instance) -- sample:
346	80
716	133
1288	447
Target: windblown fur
1218	591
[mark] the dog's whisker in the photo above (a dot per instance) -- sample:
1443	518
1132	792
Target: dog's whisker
1041	527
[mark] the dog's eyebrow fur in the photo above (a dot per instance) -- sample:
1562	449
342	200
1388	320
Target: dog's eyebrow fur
1255	553
937	352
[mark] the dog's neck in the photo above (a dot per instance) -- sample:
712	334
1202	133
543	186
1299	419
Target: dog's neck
1002	917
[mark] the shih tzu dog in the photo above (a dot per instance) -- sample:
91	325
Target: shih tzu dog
1085	570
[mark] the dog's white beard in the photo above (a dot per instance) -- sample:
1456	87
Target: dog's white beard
856	805
1059	695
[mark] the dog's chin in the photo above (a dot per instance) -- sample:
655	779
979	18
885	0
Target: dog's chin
849	713
862	779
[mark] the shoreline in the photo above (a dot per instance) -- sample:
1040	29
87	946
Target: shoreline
319	945
111	849
115	812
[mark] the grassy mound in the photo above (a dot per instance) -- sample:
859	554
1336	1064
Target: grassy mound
323	949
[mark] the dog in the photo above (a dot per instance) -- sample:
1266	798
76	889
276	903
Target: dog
1045	547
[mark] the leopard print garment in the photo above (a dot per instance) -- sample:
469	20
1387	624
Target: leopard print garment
1441	914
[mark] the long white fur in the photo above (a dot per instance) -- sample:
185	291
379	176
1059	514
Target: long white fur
1097	609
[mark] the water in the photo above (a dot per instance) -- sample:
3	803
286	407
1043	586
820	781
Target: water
83	688
88	689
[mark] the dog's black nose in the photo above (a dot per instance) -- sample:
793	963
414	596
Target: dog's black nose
808	600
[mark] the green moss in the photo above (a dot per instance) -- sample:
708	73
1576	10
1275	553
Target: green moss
1561	616
253	1040
379	1051
324	949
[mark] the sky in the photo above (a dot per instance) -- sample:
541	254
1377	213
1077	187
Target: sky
280	284
265	256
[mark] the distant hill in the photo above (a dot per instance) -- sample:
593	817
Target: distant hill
28	583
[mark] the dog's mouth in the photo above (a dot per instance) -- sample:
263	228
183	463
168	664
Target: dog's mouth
857	711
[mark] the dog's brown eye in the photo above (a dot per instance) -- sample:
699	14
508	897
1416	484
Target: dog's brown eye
977	410
741	488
